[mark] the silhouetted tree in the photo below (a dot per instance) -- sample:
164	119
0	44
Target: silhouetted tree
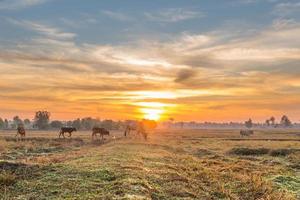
41	119
87	123
6	124
249	123
107	124
285	121
272	119
56	124
2	124
77	124
268	122
27	122
17	121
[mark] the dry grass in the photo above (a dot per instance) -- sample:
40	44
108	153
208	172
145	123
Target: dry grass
172	164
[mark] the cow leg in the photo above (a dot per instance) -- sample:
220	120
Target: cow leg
70	134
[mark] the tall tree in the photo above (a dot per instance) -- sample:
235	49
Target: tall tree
272	119
27	121
17	121
76	124
2	124
285	121
6	124
249	123
41	119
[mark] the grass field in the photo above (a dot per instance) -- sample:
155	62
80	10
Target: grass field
172	164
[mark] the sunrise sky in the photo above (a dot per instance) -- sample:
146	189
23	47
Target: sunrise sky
208	60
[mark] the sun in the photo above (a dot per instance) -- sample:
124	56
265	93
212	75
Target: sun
152	113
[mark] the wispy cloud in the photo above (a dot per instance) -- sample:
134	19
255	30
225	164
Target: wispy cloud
18	4
287	9
46	30
173	15
117	15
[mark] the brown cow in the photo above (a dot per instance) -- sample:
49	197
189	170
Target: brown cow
21	131
64	130
101	131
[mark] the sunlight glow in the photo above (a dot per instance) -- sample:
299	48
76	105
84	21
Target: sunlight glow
151	113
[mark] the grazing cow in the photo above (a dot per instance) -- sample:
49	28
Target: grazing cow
64	130
101	131
139	128
21	131
246	132
128	129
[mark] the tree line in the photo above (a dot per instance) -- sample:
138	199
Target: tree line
42	121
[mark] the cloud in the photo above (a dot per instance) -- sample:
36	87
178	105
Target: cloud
117	15
46	30
173	15
18	4
184	75
209	71
287	9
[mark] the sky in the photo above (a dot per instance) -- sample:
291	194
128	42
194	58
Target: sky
190	60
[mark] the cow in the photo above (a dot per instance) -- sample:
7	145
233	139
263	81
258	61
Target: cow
128	129
246	132
64	130
101	131
139	128
21	131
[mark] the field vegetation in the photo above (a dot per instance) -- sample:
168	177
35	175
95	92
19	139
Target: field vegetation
171	164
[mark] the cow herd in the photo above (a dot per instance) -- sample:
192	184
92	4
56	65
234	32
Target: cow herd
95	131
103	132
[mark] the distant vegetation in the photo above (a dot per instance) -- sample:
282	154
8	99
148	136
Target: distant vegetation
42	121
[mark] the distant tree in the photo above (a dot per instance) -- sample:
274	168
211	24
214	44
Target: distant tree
2	124
107	124
249	123
76	124
285	121
41	119
56	124
17	121
87	123
27	122
6	124
272	119
268	122
69	123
